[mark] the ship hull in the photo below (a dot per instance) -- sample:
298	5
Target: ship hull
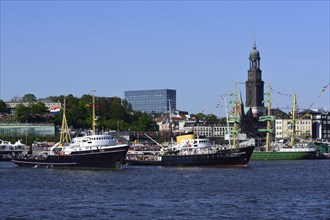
102	158
223	158
7	155
260	155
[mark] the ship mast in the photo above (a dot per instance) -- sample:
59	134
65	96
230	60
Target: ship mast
293	130
235	119
170	118
65	135
267	118
93	116
228	130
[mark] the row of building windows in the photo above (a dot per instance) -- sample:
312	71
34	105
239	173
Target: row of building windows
159	100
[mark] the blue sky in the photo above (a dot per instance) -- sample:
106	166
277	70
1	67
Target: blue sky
198	48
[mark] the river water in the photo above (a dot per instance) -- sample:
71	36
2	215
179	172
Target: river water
264	190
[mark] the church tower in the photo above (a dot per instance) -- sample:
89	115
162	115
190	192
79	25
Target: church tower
254	84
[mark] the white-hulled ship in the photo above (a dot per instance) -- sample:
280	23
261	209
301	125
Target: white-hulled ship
89	151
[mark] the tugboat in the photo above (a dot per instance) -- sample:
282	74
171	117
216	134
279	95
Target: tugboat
196	151
90	151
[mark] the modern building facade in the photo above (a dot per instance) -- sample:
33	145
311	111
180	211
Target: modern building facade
321	125
325	130
27	129
152	101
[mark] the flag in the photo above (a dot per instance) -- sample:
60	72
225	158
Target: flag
55	110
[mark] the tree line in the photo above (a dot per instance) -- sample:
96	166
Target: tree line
112	113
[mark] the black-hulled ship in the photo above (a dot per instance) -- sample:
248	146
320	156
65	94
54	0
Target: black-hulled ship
195	151
89	151
96	151
190	151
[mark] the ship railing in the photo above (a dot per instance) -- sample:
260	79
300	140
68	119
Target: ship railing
247	143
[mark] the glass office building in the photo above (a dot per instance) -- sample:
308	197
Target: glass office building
25	129
152	101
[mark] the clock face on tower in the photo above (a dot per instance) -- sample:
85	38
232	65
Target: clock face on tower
250	76
258	76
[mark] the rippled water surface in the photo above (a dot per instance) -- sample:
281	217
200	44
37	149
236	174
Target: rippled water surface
264	190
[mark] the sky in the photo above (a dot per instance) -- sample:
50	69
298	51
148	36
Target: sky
198	48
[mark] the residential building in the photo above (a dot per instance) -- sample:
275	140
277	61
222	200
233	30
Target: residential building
325	130
12	105
283	128
321	124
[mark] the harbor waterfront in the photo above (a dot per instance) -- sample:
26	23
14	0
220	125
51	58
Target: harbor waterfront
290	189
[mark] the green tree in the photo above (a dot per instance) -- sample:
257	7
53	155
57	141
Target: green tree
34	112
29	98
211	119
200	117
3	107
127	106
22	113
76	113
117	110
54	98
38	108
223	120
102	107
38	112
143	123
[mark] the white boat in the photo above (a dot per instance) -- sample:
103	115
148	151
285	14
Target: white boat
89	151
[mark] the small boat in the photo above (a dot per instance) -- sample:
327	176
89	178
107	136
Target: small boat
89	151
9	150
